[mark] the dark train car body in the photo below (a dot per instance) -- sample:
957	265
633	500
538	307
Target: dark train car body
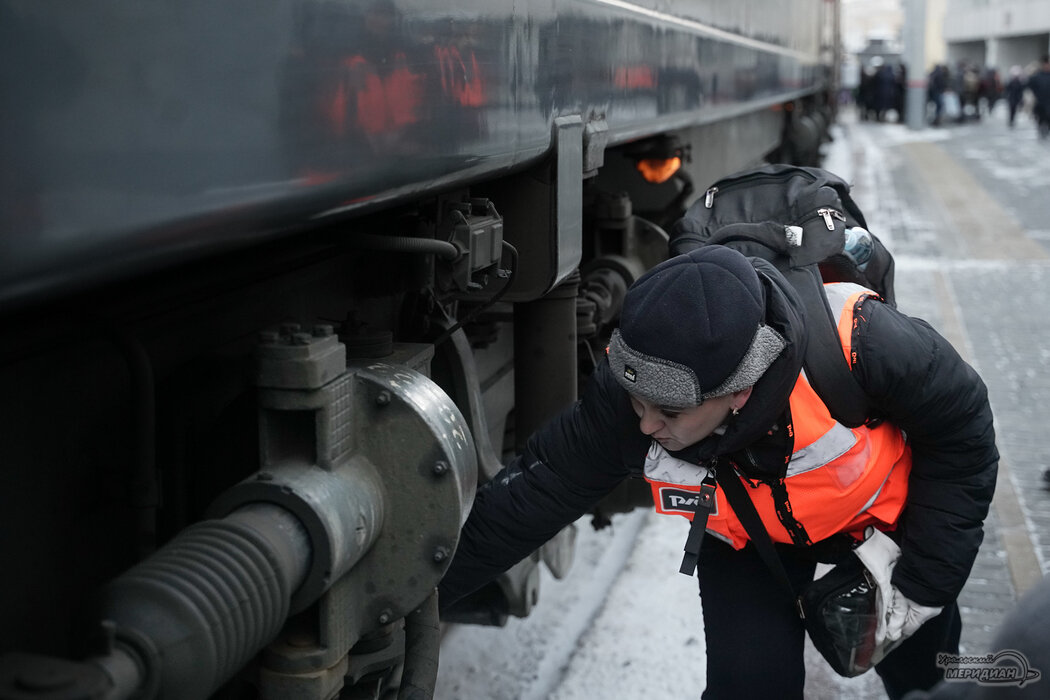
307	271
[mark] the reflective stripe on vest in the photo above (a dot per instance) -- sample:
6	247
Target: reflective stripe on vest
838	479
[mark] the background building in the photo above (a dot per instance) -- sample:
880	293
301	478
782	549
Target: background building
997	33
867	20
873	28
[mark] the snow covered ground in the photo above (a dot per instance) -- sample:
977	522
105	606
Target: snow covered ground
623	622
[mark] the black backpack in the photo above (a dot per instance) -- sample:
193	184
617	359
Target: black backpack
797	219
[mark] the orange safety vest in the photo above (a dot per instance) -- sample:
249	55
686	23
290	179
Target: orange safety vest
838	479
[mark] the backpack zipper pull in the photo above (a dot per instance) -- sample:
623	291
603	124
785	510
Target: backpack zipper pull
709	197
830	214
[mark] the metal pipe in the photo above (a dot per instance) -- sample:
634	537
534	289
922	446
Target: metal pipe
125	671
342	512
422	643
544	346
915	63
187	618
405	244
145	481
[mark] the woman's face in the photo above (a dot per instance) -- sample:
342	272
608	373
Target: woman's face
678	428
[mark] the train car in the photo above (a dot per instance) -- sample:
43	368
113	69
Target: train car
283	282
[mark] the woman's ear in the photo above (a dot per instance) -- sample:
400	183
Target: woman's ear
739	398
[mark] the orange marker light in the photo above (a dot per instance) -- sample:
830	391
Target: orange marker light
658	170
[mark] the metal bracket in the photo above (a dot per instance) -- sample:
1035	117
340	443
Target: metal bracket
595	139
568	210
477	230
379	466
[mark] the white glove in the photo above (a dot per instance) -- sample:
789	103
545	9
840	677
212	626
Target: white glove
879	554
906	616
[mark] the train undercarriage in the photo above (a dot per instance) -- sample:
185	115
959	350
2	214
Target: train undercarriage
240	442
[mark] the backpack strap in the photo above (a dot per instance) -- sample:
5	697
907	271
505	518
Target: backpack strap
705	505
826	368
756	531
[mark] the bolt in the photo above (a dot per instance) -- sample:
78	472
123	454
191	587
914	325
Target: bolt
385	616
383	398
301	338
440	554
323	330
440	468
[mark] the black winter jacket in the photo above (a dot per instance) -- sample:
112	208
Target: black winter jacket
1039	84
913	376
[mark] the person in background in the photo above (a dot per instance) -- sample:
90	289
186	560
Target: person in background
937	85
1039	84
701	382
1014	93
884	91
991	89
866	93
969	92
900	87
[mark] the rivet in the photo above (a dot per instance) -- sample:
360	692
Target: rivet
440	554
385	616
383	398
301	338
440	468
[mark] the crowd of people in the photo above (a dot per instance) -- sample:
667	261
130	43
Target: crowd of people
963	94
957	95
969	92
881	90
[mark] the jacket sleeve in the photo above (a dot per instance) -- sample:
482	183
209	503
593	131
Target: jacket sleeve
919	383
566	468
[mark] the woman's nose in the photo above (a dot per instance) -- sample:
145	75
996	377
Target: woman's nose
649	423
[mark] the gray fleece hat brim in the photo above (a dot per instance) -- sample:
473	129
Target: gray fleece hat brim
668	383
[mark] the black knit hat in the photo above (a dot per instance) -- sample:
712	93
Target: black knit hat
692	329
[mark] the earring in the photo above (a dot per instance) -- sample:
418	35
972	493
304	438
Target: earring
736	411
